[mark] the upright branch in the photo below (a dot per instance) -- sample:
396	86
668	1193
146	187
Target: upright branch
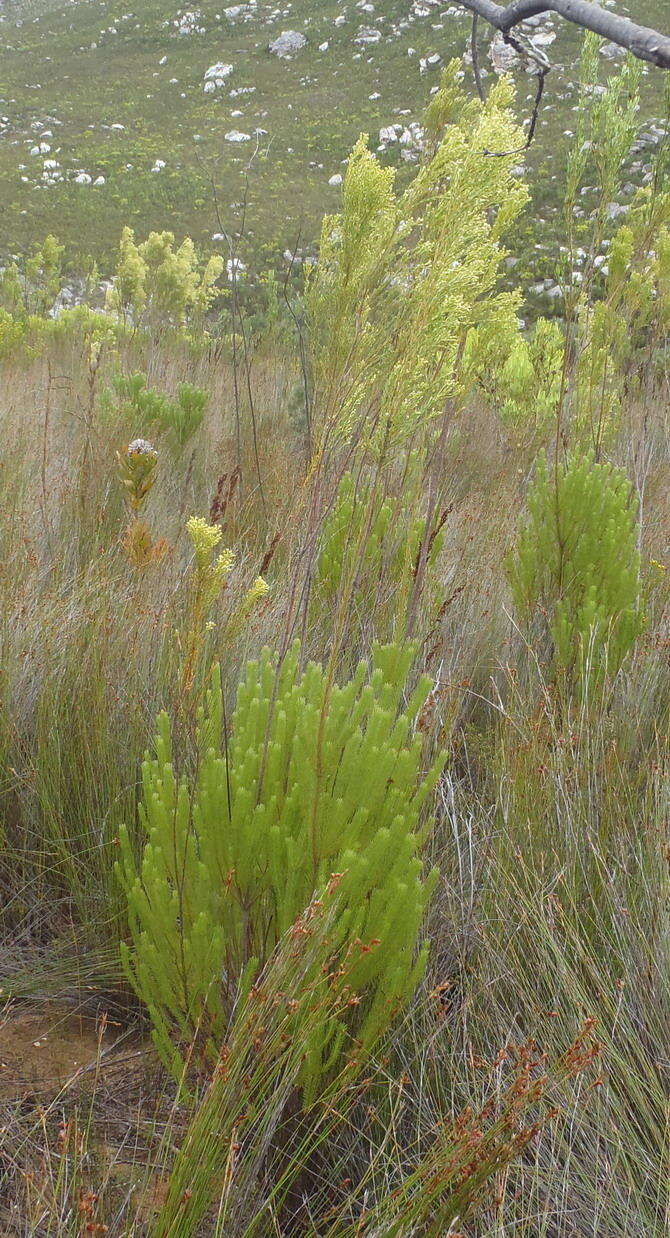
643	42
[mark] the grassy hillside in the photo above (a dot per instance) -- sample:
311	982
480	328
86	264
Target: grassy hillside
112	90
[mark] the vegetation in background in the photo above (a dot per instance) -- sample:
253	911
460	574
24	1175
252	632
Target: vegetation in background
113	91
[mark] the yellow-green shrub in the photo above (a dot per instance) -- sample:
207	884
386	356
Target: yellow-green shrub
313	780
402	280
576	567
155	283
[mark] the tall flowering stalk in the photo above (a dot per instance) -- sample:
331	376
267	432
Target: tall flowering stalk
211	573
209	579
137	473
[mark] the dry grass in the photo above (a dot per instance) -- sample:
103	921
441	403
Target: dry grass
551	835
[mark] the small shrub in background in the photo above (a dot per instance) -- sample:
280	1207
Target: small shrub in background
155	283
576	567
33	287
140	409
314	780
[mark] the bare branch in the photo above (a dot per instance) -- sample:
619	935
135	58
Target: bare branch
643	42
475	58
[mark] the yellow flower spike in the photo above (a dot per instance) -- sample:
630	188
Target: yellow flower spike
205	538
209	578
256	593
224	564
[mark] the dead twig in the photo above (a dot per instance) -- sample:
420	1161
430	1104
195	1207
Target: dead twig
642	41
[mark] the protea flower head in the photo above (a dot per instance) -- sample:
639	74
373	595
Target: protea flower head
137	470
141	447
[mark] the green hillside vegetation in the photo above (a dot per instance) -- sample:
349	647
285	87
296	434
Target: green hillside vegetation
116	92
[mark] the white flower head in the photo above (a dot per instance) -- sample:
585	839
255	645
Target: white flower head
142	447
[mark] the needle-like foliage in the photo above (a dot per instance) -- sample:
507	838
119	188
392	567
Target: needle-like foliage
316	779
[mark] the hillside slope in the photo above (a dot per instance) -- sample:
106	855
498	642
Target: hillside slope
107	115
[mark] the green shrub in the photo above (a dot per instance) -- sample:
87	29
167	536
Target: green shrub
185	414
372	547
14	344
576	566
315	780
392	539
142	410
523	379
403	279
156	284
33	287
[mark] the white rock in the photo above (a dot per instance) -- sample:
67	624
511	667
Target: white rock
544	38
158	166
611	51
216	75
234	135
368	34
83	178
503	57
287	44
336	179
189	23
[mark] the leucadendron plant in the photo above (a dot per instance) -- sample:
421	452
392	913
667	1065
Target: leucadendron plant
312	780
139	409
575	571
138	464
156	283
404	281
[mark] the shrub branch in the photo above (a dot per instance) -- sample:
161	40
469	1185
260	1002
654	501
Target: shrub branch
643	42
